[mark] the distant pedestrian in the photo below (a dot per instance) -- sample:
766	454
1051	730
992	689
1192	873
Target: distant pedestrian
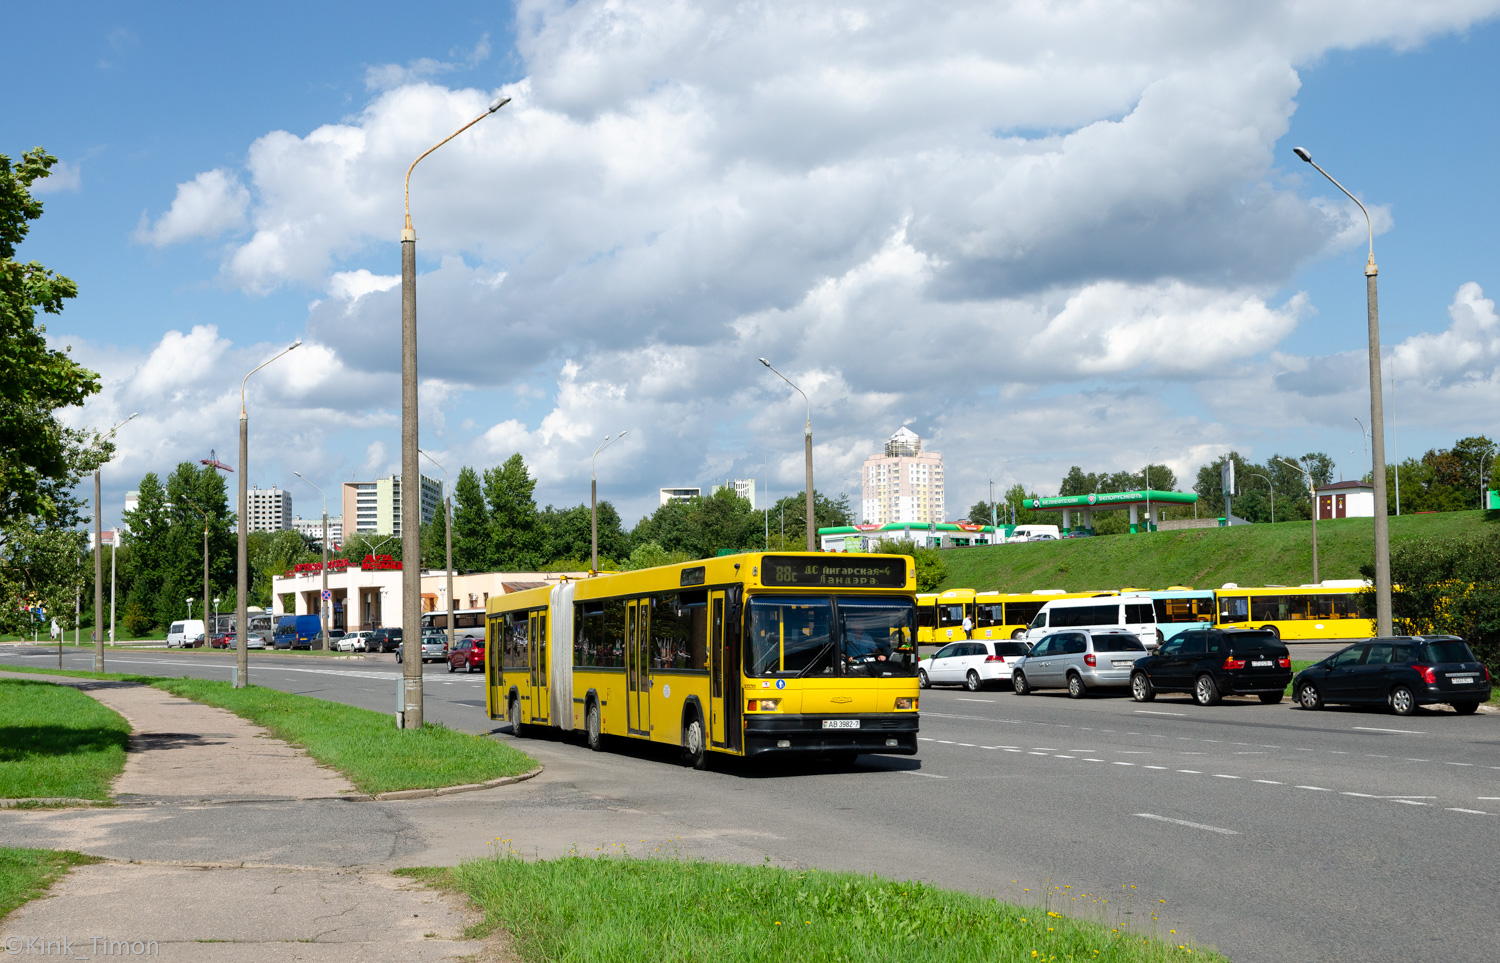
968	627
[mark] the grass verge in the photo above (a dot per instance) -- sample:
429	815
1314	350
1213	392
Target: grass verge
620	908
363	745
26	874
56	741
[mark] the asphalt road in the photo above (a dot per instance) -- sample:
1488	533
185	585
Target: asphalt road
1269	832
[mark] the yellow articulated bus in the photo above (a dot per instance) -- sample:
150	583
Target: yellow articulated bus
744	655
926	617
951	608
1327	611
1006	615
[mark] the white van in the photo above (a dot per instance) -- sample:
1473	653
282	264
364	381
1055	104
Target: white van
1026	533
183	634
1133	613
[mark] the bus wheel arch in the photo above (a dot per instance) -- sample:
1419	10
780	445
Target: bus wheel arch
694	735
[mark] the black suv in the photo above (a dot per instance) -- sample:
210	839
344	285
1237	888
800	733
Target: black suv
1403	672
1213	663
384	640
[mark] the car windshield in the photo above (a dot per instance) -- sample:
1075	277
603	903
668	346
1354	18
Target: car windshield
802	636
1452	651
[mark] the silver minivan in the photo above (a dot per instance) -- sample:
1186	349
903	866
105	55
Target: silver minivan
1079	660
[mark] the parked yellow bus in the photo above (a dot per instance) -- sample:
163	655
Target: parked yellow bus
741	655
1005	615
1297	613
926	617
951	608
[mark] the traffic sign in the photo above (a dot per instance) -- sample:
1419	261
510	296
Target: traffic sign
327	595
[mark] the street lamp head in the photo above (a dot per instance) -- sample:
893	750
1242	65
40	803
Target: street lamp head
497	103
765	362
1302	153
295	344
299	475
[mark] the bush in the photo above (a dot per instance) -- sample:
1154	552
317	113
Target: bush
137	622
1448	586
930	568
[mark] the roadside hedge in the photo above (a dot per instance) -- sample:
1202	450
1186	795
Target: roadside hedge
1449	586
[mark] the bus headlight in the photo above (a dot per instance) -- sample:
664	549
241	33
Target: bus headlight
763	705
906	702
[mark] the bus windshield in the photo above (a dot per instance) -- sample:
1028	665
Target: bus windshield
818	636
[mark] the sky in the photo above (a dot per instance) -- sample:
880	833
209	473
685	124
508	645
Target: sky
1038	234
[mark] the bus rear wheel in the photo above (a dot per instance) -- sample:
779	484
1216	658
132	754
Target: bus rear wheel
1273	630
593	728
515	717
694	745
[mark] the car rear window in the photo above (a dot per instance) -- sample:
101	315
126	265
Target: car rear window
1010	648
1256	642
1117	643
1454	651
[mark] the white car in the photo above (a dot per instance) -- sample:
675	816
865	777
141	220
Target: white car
974	663
354	641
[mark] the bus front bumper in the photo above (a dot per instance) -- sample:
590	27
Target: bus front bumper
890	733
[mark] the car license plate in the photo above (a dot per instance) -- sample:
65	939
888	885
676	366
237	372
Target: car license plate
1461	679
840	723
1262	663
1123	663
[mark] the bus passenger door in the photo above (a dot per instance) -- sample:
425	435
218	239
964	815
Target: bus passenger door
719	684
538	648
637	669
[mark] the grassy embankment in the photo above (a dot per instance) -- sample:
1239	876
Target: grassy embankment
626	909
57	742
1279	554
26	874
363	745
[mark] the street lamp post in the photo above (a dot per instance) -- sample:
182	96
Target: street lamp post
242	561
1312	494
190	609
447	545
1273	493
1365	437
411	479
812	528
1377	422
215	627
323	594
99	565
594	500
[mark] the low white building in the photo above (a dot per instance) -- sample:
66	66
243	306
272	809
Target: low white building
1346	499
313	528
368	595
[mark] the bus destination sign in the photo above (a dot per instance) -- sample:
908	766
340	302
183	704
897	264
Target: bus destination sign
835	571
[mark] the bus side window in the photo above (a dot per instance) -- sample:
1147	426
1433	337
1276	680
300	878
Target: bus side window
1233	608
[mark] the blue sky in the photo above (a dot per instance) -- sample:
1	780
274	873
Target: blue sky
1041	236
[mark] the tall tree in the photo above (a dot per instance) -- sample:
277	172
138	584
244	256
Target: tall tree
792	511
40	460
147	534
41	567
192	490
508	491
566	536
471	523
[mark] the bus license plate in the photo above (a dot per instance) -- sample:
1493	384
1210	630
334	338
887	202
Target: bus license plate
840	723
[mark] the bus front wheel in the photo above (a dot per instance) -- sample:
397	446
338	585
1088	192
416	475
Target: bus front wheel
593	728
515	717
694	745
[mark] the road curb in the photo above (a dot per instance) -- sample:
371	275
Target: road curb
452	790
51	802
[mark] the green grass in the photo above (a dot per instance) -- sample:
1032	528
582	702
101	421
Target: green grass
364	745
1279	554
56	741
26	874
626	909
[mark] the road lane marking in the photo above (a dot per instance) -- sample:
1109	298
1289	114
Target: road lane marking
1220	775
1120	763
929	775
1476	812
962	699
1460	764
1190	825
1409	802
1061	756
1315	788
1093	760
1154	767
1192	772
1270	782
1404	732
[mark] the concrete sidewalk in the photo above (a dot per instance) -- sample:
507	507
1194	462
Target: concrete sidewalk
183	751
184	755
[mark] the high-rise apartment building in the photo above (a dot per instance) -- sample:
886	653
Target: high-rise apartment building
904	485
313	528
374	508
743	487
268	510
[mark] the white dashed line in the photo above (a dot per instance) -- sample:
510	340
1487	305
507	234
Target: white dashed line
1404	732
1093	760
1270	782
1220	775
1192	772
962	699
1184	822
1459	764
1475	812
1154	767
1153	712
1409	802
1121	763
913	772
1061	756
1315	788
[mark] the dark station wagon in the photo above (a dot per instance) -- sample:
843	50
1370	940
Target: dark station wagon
1213	663
1402	672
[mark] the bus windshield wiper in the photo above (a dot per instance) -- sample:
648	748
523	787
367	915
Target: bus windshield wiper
813	664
